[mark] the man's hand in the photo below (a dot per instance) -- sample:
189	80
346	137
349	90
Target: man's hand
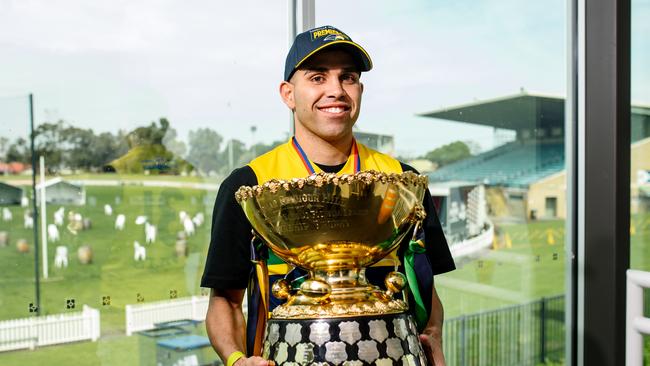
253	361
432	346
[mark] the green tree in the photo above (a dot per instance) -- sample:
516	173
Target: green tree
49	141
149	135
4	147
108	147
204	151
81	148
171	142
19	151
449	153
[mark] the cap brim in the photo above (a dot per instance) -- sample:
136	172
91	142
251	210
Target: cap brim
365	58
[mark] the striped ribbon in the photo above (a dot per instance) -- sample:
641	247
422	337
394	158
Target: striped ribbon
307	163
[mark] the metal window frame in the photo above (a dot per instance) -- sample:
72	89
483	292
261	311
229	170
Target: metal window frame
598	180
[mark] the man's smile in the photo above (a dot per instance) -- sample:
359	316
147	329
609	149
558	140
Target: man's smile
334	108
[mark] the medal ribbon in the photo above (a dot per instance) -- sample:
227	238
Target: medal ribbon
310	168
416	245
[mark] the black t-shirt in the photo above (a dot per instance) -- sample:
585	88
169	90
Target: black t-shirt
228	265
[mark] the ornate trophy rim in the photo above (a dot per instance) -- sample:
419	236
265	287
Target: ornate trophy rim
320	179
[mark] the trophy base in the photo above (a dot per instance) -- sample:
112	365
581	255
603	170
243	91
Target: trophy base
383	340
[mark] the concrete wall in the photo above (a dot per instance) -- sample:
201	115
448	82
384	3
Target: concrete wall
551	186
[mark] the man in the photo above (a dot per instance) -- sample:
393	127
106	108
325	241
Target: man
322	87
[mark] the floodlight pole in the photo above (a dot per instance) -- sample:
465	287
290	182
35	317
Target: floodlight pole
292	35
35	208
307	20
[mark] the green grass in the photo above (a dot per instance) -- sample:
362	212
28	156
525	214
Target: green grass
113	271
529	264
121	177
530	268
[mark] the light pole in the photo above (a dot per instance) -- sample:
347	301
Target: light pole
253	129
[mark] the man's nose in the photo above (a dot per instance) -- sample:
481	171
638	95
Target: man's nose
335	88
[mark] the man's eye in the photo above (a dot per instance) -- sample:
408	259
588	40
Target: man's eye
318	79
351	78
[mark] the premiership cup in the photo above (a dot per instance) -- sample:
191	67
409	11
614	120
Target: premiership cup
334	227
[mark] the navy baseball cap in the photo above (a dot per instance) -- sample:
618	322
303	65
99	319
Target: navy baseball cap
308	43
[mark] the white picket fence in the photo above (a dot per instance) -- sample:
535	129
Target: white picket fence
636	323
473	245
144	316
51	329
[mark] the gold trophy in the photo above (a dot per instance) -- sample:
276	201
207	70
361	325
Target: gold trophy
334	227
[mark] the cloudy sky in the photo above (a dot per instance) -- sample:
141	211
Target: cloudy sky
118	64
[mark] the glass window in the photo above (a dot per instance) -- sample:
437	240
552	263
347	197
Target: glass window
472	94
640	149
140	111
640	135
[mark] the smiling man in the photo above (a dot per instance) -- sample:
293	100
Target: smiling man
323	89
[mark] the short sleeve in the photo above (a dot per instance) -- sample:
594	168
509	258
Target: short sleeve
228	263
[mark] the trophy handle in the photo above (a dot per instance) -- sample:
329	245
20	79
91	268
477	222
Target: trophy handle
395	282
417	215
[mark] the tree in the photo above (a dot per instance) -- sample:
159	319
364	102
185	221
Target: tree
261	148
171	142
149	135
4	146
239	153
204	150
49	142
19	151
474	147
81	148
449	153
108	147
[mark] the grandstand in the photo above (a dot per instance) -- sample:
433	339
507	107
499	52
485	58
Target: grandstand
516	163
525	178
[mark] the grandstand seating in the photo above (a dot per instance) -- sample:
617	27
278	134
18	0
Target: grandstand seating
518	163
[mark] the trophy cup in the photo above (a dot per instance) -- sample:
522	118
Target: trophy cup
334	227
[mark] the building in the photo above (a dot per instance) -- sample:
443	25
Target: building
10	195
58	191
13	168
382	143
525	177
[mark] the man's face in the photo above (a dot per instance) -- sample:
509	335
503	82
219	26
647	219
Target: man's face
325	94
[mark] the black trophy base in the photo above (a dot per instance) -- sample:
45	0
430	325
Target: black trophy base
383	340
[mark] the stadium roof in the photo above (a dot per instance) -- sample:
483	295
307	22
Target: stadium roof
512	112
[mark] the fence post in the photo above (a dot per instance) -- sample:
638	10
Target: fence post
542	330
33	333
463	343
96	324
128	310
634	338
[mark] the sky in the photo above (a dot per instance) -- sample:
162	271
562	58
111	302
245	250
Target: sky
120	64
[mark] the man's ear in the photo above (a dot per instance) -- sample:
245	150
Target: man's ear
286	92
360	83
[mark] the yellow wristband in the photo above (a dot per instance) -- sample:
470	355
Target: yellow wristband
234	357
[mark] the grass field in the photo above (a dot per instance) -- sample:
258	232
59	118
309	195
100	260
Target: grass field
528	264
27	177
